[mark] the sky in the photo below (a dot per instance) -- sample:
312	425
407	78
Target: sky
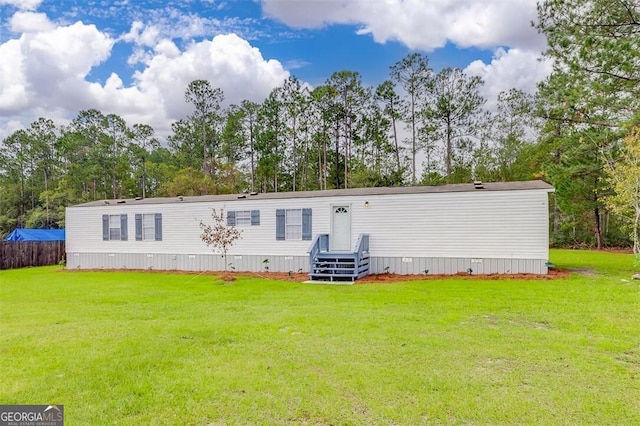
135	58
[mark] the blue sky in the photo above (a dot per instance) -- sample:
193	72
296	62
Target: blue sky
135	58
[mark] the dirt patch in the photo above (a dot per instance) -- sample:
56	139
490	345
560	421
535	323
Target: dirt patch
223	275
382	278
281	276
393	278
584	271
229	276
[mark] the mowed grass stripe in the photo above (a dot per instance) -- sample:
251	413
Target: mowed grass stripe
149	348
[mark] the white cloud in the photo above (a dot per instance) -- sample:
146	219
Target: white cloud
141	34
46	70
13	87
420	24
513	68
167	48
56	63
151	25
29	22
503	26
37	65
10	127
227	61
22	4
48	74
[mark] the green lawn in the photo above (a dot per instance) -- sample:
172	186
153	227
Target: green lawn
149	348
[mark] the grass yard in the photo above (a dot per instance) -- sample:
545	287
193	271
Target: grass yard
138	348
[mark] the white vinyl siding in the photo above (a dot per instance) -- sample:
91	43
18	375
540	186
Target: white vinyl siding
512	225
491	224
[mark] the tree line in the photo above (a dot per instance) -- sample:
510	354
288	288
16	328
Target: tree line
417	127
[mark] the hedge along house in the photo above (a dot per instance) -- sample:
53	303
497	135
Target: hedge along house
333	234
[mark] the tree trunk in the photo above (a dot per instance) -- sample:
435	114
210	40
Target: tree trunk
204	149
253	160
597	229
144	178
556	215
448	154
397	148
321	159
413	138
347	153
294	155
324	161
636	222
337	137
33	187
22	203
305	161
46	189
556	208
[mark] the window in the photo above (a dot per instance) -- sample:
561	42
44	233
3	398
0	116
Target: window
243	218
114	227
293	224
149	227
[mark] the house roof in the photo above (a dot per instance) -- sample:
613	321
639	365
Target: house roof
458	187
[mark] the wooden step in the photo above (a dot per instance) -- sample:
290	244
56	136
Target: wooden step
339	266
332	277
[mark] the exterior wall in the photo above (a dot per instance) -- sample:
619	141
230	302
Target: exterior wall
512	225
455	265
489	231
181	230
379	265
186	262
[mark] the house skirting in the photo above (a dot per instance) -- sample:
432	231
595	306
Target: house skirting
454	265
254	263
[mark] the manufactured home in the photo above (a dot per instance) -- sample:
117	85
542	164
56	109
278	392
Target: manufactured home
334	234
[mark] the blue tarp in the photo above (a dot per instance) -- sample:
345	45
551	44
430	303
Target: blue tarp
25	234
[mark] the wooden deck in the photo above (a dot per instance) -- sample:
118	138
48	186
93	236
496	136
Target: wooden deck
326	265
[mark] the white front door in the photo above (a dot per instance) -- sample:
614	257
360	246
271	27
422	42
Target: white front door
340	238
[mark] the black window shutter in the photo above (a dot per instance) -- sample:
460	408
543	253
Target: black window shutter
138	227
158	219
306	224
105	227
255	217
123	227
280	224
231	218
